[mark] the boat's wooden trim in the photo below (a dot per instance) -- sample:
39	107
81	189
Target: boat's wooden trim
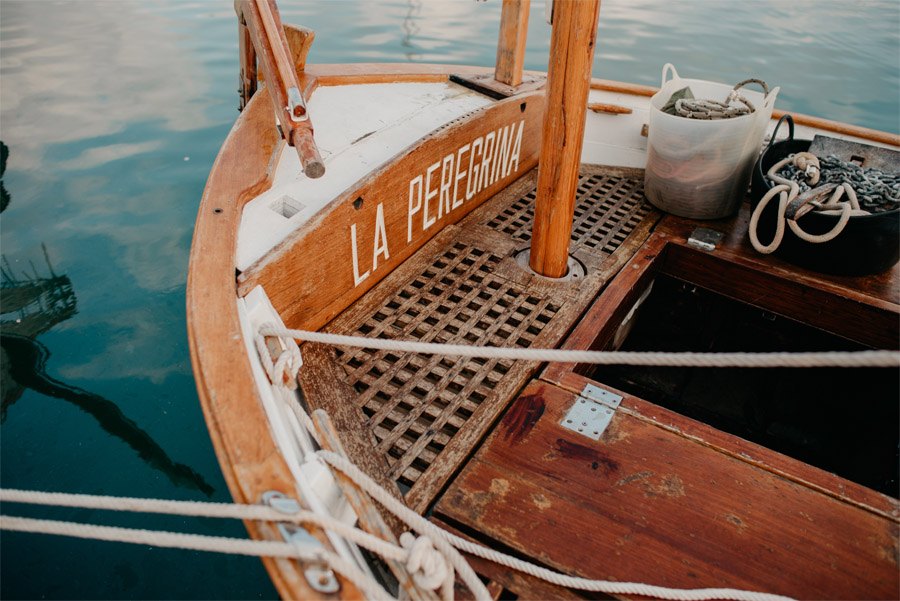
829	125
368	231
238	426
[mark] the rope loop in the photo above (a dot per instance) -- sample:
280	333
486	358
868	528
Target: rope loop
792	205
427	565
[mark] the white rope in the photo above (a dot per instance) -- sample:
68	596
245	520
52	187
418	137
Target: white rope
779	359
198	542
424	567
426	557
284	370
423	526
787	190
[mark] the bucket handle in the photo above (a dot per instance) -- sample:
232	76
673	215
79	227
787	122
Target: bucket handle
790	122
667	68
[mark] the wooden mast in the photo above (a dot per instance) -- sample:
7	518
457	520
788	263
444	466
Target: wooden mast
511	44
569	81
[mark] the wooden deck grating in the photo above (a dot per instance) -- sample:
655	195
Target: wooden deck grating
427	413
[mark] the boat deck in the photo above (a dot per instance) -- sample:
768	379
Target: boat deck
427	413
481	445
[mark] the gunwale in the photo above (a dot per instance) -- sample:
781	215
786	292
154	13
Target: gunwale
236	422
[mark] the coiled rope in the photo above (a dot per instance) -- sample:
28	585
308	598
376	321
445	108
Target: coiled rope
708	109
788	191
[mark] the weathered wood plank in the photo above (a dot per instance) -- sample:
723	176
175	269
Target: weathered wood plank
511	44
649	505
370	519
519	583
325	388
786	467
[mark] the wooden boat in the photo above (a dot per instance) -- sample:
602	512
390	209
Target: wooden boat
431	174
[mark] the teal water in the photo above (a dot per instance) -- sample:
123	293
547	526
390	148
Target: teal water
113	113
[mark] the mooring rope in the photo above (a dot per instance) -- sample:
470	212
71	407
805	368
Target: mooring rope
198	542
429	557
876	358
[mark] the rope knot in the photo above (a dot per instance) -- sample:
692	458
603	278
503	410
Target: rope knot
288	360
426	564
808	163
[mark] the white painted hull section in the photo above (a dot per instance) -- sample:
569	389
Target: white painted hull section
359	128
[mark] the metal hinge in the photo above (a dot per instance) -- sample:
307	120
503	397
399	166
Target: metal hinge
592	412
320	577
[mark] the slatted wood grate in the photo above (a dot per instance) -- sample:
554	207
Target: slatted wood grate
417	403
464	291
607	208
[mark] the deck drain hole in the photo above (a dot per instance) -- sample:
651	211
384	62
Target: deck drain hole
287	207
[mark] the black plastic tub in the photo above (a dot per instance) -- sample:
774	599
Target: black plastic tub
868	244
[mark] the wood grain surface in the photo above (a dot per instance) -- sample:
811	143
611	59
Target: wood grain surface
647	504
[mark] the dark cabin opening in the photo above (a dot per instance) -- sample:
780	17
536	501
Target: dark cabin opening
841	420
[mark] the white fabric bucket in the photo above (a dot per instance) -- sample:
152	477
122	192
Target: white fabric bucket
700	168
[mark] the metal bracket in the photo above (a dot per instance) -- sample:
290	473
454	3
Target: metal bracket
320	577
592	412
296	107
281	502
705	238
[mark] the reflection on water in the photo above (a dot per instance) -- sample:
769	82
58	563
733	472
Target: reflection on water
4	195
114	121
24	366
411	28
30	305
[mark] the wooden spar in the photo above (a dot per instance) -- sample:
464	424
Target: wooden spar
511	44
248	63
267	33
569	80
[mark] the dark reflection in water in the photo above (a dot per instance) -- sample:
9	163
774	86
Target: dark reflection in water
4	195
24	366
31	305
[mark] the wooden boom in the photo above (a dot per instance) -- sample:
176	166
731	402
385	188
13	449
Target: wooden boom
267	34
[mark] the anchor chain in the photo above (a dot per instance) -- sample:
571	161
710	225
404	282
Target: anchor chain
876	190
707	109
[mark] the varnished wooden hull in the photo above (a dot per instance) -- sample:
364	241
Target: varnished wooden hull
310	279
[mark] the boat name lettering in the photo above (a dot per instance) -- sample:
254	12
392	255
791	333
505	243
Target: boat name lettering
442	188
482	162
